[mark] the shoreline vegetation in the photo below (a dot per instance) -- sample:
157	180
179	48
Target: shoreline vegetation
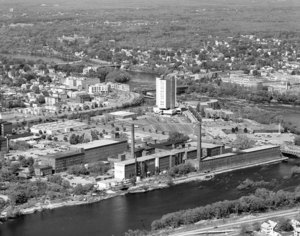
262	200
150	184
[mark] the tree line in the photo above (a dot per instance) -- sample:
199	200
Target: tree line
261	201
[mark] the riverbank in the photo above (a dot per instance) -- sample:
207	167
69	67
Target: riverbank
144	186
138	211
38	207
232	224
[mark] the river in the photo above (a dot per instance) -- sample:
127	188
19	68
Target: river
142	80
115	216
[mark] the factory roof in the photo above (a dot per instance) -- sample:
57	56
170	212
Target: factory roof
206	145
210	145
259	148
155	155
97	143
122	113
58	125
246	150
219	156
60	155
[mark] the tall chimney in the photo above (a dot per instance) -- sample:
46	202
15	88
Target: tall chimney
199	141
133	148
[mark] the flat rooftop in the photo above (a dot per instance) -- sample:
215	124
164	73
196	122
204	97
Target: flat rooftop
122	113
219	156
259	148
96	143
155	155
205	145
59	155
58	125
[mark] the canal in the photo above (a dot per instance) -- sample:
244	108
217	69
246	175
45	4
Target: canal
115	216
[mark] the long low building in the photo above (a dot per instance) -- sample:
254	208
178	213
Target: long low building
100	150
157	162
53	128
63	160
245	157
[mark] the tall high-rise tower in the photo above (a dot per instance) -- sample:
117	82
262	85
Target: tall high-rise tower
166	92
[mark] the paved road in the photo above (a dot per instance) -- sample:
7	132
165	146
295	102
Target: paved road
238	223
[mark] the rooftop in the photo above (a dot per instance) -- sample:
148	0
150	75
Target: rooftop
59	155
96	143
155	155
219	156
122	113
58	125
259	148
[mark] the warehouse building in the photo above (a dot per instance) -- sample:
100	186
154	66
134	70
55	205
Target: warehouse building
157	162
123	114
249	156
100	150
54	128
63	160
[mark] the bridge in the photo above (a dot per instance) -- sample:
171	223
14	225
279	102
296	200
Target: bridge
290	150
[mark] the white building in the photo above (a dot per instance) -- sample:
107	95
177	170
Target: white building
99	88
296	227
268	227
166	92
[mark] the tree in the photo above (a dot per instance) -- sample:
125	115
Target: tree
94	135
73	139
57	179
36	89
82	189
78	170
242	142
15	167
245	130
78	190
101	73
285	225
19	197
118	76
7	175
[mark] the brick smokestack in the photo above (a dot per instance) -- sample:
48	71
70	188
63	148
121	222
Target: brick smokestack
132	141
133	148
199	143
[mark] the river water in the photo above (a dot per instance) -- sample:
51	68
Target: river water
142	80
115	216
